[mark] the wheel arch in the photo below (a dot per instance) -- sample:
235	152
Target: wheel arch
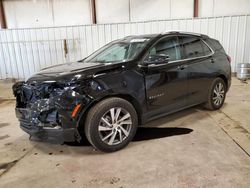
224	78
129	98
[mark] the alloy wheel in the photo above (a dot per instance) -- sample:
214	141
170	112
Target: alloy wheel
218	94
115	125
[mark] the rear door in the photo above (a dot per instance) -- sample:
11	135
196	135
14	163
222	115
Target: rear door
199	61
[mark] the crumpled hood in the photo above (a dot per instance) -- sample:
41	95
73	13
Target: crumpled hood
67	70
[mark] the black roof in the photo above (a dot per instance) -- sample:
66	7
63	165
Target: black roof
166	33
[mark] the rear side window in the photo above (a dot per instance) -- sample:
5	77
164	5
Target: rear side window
194	47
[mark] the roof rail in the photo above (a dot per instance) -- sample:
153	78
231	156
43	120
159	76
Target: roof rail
184	32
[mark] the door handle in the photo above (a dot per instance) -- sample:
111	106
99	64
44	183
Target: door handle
182	67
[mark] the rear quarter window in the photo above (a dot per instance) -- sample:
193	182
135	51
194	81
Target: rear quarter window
215	44
194	47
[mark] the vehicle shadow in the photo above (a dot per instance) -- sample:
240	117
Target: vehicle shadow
145	133
156	129
149	133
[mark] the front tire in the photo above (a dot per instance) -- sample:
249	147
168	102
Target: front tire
111	124
216	95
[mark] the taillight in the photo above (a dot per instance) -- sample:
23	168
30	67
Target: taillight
229	58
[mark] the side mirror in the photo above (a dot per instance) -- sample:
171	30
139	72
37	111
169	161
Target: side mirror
157	59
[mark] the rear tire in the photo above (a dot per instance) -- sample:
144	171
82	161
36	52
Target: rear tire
216	95
111	124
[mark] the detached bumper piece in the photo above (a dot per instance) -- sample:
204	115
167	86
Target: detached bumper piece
45	112
56	135
43	131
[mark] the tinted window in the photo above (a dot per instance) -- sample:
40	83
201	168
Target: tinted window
216	45
168	46
194	47
206	49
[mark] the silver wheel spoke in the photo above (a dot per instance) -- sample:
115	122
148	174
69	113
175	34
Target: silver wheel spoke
220	87
216	100
220	100
102	128
106	137
126	116
215	91
124	131
118	111
120	136
106	122
216	88
112	113
112	138
127	122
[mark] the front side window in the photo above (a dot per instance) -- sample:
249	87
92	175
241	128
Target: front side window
194	47
168	46
119	51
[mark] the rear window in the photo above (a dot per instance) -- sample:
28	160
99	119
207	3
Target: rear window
194	47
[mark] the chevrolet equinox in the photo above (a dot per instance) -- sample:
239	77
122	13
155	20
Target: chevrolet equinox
126	83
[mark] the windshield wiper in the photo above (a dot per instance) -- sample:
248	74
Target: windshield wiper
81	60
97	61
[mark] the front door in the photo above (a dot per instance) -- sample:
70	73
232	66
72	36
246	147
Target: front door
166	84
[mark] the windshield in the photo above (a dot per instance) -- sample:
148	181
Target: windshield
119	51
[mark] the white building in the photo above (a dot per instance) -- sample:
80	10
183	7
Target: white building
42	13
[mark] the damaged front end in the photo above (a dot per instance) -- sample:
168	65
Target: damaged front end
49	111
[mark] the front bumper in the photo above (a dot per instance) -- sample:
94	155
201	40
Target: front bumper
47	115
45	132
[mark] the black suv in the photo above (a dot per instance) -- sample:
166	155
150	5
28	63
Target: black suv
126	83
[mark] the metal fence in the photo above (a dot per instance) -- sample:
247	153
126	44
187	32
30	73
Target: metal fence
26	51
